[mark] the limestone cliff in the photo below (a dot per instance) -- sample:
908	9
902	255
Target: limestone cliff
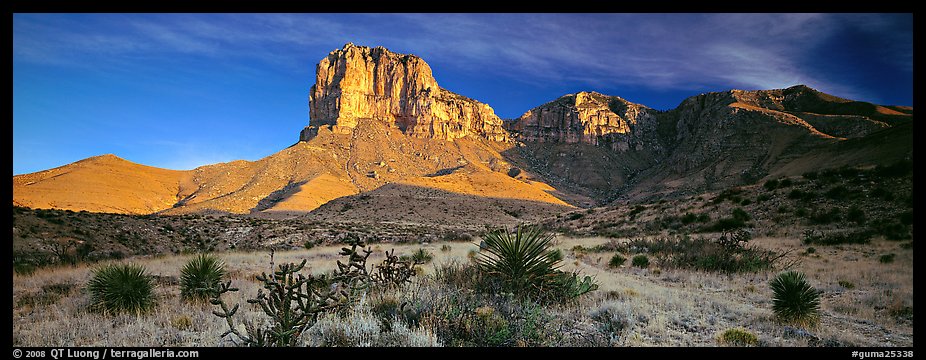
358	82
591	118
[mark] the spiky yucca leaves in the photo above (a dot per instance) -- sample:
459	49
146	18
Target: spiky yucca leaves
121	288
200	278
795	301
520	260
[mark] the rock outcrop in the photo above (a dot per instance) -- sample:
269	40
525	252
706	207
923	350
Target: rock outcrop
591	118
358	82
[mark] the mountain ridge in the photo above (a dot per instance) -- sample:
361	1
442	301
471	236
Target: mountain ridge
379	118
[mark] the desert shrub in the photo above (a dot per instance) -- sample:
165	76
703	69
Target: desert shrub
616	261
725	224
810	175
522	263
704	217
835	238
811	250
783	209
181	322
763	198
730	256
745	202
200	278
898	169
308	244
794	300
800	212
741	214
518	259
785	182
361	327
887	258
732	194
771	184
293	302
846	284
576	216
882	193
890	229
121	288
422	256
640	261
50	294
824	217
636	210
838	192
739	337
445	248
856	215
689	218
798	194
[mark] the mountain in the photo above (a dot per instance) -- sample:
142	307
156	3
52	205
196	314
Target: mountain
377	118
610	149
358	82
385	143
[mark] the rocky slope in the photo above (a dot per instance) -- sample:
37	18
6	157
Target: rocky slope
607	148
738	137
358	82
590	118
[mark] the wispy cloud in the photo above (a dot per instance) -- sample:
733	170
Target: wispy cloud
661	51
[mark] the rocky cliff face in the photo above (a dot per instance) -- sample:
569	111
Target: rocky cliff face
358	82
590	118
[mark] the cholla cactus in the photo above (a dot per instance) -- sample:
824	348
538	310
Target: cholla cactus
292	301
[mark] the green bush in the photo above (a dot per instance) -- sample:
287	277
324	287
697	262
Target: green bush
689	218
838	192
704	254
824	217
200	278
739	337
882	193
856	215
771	184
846	284
616	261
740	214
794	300
119	288
836	238
555	255
518	259
640	261
887	258
890	229
422	256
522	263
725	224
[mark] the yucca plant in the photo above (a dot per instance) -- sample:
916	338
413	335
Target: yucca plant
519	259
121	288
200	278
795	301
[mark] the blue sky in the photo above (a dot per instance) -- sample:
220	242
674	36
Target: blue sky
183	90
